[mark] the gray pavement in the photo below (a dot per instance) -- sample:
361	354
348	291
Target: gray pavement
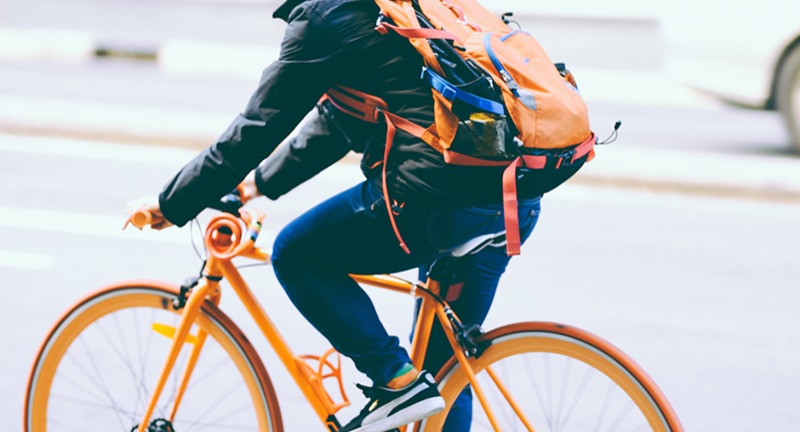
622	164
196	55
700	291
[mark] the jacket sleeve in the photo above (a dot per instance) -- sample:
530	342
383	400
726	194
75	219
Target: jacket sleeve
288	90
319	144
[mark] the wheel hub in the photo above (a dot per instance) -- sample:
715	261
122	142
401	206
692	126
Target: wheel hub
157	425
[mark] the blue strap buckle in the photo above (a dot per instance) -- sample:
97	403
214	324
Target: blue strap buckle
451	92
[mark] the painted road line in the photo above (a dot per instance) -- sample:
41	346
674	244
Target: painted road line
84	224
26	260
45	44
101	226
103	119
83	149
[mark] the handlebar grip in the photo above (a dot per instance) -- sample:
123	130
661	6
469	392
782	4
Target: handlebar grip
141	218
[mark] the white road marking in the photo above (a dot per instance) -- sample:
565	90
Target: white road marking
346	170
45	44
26	260
95	150
92	225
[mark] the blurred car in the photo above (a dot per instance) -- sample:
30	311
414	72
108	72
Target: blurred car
744	52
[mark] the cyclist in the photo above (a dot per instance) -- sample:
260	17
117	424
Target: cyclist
437	207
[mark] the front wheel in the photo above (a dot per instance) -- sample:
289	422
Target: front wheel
550	377
99	364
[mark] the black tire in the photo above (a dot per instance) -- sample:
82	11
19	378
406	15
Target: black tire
787	95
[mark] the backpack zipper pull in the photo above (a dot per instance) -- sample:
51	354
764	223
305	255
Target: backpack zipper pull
613	136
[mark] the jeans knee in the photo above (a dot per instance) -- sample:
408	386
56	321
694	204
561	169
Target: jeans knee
283	259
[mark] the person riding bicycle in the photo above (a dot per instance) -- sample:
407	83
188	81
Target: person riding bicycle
436	206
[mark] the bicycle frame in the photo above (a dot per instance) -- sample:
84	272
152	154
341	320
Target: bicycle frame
223	247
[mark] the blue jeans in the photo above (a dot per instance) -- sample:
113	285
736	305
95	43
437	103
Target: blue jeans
351	233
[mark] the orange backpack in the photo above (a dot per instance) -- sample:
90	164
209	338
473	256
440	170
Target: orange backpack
487	77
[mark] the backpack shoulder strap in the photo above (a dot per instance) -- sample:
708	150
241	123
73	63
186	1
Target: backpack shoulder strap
404	15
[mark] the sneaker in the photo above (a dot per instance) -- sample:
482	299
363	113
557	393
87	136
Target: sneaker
389	408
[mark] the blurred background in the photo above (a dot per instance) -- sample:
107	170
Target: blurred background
678	243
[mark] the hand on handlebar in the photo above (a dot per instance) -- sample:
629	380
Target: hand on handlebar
145	211
247	188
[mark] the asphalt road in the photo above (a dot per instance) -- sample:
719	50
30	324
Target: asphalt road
702	291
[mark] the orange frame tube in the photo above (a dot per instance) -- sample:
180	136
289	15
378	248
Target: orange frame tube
462	358
220	265
192	308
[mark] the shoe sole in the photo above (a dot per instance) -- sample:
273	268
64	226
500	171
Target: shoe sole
418	411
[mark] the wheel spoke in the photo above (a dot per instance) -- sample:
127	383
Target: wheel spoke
562	384
101	373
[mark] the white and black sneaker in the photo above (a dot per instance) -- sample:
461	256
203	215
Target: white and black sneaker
389	408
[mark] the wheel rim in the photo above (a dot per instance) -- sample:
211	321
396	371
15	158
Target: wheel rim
97	370
561	384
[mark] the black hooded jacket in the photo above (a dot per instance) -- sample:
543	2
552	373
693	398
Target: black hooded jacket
329	42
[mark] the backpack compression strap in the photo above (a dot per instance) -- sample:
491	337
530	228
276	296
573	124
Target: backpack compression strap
370	108
510	208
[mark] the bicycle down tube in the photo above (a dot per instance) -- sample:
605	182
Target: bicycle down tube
219	266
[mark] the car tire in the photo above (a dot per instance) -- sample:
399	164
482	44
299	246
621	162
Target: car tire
787	95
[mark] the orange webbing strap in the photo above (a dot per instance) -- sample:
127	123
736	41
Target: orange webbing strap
370	108
394	122
421	45
390	133
510	208
355	103
418	33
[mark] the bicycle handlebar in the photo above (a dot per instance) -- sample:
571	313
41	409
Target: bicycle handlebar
141	218
224	235
230	203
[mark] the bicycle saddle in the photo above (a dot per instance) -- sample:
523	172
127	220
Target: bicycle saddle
477	244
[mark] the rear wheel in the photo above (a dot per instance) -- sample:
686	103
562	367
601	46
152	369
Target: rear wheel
561	379
97	368
787	95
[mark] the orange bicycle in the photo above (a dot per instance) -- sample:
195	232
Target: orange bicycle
153	357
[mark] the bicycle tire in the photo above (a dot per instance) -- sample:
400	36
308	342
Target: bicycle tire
539	357
106	391
787	94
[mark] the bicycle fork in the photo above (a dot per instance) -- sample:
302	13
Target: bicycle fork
180	335
463	344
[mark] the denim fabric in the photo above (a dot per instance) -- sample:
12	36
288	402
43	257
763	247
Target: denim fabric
351	233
